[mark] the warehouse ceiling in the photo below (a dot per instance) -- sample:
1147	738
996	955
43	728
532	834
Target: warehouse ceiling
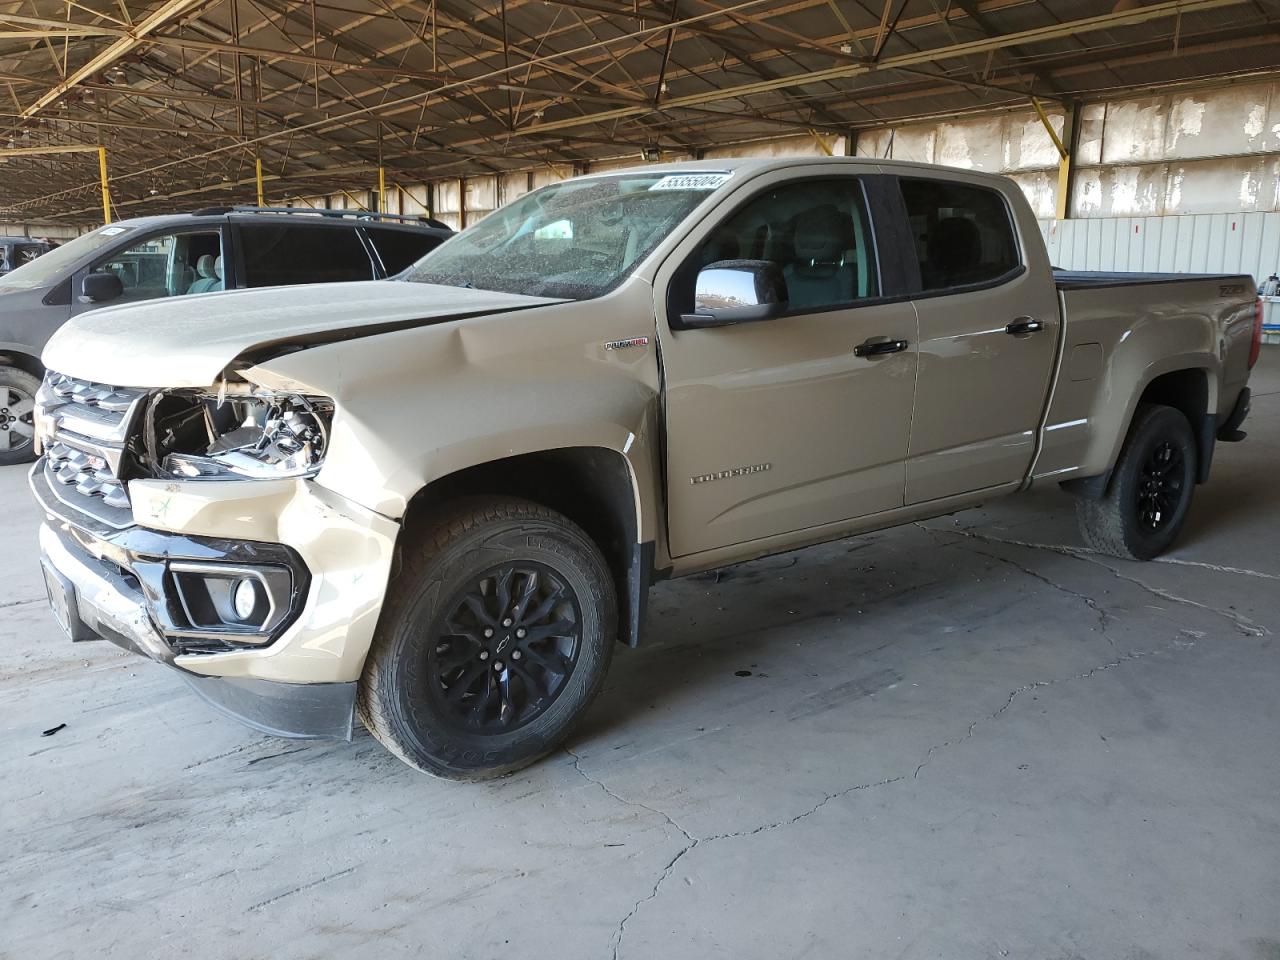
185	94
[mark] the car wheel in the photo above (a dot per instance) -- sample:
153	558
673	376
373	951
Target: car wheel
17	408
494	639
1150	492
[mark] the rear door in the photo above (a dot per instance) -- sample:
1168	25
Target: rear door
777	426
280	254
988	334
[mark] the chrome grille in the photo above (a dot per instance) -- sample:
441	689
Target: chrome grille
84	428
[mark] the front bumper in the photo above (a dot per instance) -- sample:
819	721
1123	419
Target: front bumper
295	679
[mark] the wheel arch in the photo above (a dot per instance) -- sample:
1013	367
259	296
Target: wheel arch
23	361
595	487
1189	385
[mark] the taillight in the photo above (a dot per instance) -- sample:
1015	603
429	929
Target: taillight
1255	347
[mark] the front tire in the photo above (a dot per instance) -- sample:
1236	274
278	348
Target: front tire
494	639
17	405
1146	504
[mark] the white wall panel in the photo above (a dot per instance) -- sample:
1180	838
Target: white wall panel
1205	243
801	146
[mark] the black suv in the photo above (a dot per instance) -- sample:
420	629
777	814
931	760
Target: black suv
226	248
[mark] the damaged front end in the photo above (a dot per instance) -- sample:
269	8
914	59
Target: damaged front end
237	431
186	525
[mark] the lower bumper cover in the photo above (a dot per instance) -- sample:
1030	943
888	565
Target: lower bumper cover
303	711
95	598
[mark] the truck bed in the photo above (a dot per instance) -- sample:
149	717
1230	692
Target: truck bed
1122	329
1092	279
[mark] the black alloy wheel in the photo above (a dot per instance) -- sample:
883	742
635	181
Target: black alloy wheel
1145	504
1159	489
507	648
494	638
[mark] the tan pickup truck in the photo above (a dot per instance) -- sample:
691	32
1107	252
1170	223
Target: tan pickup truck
438	501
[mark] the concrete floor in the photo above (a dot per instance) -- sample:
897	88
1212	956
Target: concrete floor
945	740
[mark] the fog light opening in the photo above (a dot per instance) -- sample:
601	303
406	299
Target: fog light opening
246	597
236	602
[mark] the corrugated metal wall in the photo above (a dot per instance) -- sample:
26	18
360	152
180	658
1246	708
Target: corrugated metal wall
1205	243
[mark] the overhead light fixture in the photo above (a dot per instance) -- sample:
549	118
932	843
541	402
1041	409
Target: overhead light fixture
651	153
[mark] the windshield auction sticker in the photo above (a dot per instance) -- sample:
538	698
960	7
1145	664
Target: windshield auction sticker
691	181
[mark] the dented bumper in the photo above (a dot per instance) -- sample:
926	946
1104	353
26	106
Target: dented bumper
159	588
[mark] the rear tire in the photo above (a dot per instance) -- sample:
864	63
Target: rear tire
17	403
1146	504
494	639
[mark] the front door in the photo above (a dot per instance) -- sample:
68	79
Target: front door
170	264
988	333
777	426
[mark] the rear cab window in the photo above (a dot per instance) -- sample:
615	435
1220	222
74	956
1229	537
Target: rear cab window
963	234
279	255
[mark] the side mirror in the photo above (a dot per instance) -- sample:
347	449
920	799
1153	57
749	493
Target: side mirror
737	291
101	288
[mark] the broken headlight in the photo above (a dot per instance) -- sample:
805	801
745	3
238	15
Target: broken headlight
246	434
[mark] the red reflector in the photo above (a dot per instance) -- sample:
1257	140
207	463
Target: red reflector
1256	346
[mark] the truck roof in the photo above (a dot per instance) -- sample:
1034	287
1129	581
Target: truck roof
762	164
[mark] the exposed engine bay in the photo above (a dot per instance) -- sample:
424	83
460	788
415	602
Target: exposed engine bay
237	432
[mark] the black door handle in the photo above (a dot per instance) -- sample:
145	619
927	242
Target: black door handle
877	348
1024	325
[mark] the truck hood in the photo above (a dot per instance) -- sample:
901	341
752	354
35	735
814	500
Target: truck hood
189	341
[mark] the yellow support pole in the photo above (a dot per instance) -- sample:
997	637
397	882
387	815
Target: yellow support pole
106	192
1064	161
1064	187
382	190
257	166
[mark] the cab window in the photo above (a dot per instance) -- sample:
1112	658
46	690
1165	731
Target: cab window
817	231
963	234
171	265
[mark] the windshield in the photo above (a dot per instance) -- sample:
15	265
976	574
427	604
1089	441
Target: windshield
577	240
51	268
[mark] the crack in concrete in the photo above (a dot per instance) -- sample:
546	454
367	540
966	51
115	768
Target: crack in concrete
1036	684
695	841
1104	618
671	865
577	765
1081	552
1246	626
21	603
1242	623
1250	628
808	813
302	887
619	933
